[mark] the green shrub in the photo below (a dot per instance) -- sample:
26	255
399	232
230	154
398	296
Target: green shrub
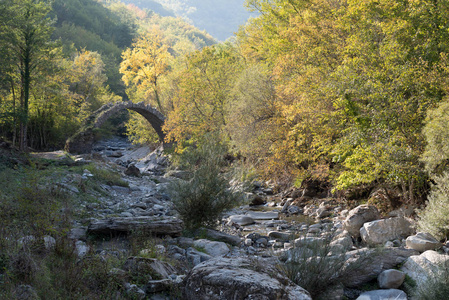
201	200
312	265
434	218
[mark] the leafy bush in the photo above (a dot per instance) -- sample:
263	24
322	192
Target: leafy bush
436	153
434	218
201	200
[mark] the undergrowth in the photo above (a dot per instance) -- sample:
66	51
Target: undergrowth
36	211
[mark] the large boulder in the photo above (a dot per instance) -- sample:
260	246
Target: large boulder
422	242
240	278
421	267
358	216
391	279
380	231
241	220
366	264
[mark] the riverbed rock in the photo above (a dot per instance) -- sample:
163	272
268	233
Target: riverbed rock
358	216
421	267
222	237
241	220
366	264
422	242
390	294
240	278
380	231
279	235
196	257
390	279
211	247
149	224
260	215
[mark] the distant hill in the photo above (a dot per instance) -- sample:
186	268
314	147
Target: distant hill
220	18
151	5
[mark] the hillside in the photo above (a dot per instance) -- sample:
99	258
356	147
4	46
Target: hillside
220	18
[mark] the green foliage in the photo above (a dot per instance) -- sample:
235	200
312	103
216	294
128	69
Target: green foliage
434	218
313	266
201	200
436	154
106	175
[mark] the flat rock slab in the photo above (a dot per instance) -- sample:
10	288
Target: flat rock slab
151	225
258	215
241	220
390	294
223	237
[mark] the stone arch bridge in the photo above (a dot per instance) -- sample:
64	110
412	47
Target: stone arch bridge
83	140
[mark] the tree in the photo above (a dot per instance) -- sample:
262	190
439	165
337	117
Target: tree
200	106
27	40
145	63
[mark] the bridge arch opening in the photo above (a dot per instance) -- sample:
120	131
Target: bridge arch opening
83	140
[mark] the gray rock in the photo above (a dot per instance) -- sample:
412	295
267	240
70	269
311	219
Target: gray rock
241	220
81	249
422	242
379	231
223	237
212	248
365	264
358	216
240	278
390	279
421	267
309	242
279	235
345	242
196	257
293	209
286	206
263	241
391	294
258	215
